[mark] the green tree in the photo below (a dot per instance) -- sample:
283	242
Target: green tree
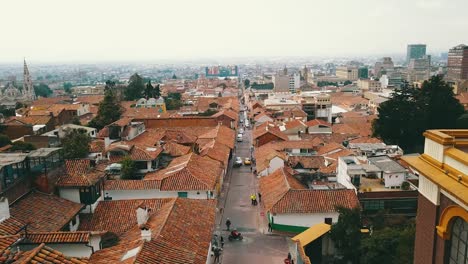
149	90
389	246
347	82
410	112
174	76
22	146
109	109
246	83
157	91
462	121
401	119
75	145
4	140
76	121
346	234
42	90
128	168
67	87
135	88
440	106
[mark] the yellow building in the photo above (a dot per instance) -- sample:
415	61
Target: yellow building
442	218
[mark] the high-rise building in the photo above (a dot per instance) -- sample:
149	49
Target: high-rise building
419	69
363	73
347	73
415	51
384	66
457	64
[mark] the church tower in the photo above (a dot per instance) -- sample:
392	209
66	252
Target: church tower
28	88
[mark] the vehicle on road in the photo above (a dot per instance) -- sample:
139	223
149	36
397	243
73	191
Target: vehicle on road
238	162
241	130
239	137
235	235
247	161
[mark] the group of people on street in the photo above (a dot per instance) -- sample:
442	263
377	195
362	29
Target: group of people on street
253	198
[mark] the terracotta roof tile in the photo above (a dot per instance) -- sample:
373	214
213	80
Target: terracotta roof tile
181	232
282	193
10	226
331	147
188	172
58	237
79	173
97	146
44	212
307	162
316	122
132	185
45	255
268	127
8	241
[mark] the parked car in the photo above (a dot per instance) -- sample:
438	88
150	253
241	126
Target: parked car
238	162
239	137
241	130
247	161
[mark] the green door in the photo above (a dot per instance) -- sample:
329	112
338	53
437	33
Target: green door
182	194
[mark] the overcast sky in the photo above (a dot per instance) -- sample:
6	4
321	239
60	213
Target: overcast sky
105	30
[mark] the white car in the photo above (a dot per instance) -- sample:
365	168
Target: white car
238	162
241	130
239	138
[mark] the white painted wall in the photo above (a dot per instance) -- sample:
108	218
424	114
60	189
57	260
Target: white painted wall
342	176
74	227
70	194
434	149
394	179
275	163
4	209
429	190
305	220
456	164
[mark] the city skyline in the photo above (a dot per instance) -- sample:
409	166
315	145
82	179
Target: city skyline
115	31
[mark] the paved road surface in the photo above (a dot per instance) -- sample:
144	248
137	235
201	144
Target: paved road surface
256	247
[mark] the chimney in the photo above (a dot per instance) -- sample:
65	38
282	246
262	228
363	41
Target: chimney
142	215
145	233
4	209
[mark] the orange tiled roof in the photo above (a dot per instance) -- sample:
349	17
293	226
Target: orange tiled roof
175	149
307	162
79	173
181	232
136	152
44	255
7	241
44	212
90	99
132	185
10	226
188	172
268	127
119	216
217	151
58	237
327	148
316	122
265	153
293	124
97	146
282	193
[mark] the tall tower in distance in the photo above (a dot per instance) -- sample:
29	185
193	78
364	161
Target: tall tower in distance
28	88
415	51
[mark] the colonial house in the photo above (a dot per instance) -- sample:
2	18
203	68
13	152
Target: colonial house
80	183
293	128
147	229
191	176
292	207
42	213
318	126
145	158
268	159
266	133
262	118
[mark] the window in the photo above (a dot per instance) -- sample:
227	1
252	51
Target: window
328	220
458	242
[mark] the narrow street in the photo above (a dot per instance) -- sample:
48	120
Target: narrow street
257	246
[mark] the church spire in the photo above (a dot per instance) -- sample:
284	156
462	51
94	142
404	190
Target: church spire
28	88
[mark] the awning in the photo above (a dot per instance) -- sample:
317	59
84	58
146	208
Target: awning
312	234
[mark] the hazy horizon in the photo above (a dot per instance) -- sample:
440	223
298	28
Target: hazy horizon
130	31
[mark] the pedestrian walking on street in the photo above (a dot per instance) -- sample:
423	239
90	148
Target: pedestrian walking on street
228	223
270	229
289	256
252	199
222	241
250	168
217	253
259	197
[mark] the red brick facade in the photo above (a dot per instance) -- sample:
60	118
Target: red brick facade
425	231
429	247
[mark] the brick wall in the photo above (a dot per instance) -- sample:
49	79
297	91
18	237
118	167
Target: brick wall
425	231
440	243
